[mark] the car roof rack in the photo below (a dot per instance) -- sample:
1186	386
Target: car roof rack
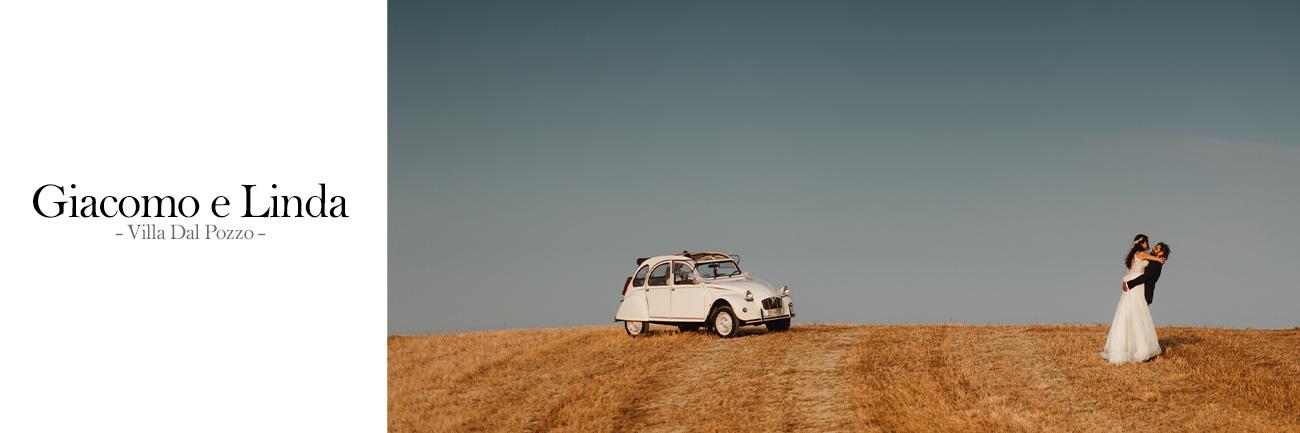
707	255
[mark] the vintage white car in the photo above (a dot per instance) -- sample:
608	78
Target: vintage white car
693	289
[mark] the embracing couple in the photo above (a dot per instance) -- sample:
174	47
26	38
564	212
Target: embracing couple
1132	336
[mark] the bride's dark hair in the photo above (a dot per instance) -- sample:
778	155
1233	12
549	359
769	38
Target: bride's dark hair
1137	246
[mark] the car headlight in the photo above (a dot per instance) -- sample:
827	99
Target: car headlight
785	291
749	296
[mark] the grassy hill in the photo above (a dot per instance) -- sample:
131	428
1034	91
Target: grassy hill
822	378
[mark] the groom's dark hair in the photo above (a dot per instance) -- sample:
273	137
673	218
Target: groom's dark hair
1164	247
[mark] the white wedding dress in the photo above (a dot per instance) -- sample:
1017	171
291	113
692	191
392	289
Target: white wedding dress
1132	336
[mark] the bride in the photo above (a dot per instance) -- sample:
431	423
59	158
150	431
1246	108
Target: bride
1132	335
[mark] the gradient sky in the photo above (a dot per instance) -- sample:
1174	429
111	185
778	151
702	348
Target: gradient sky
979	162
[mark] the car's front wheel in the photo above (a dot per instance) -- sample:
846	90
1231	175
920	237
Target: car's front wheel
634	328
778	325
724	322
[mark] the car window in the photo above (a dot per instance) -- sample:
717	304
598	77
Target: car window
719	269
659	276
639	279
683	273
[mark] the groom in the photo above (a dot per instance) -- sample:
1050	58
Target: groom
1152	273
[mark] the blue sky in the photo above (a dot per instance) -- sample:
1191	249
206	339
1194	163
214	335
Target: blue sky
891	162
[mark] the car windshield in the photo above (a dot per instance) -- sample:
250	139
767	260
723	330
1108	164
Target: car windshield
722	269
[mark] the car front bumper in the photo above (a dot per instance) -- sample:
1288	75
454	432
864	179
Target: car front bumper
784	312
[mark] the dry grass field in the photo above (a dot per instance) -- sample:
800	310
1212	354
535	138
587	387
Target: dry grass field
824	378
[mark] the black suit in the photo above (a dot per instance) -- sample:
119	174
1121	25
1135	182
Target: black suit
1148	278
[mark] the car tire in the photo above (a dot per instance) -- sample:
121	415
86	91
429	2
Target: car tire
688	328
635	328
778	325
723	322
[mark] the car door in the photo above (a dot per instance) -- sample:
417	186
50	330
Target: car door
659	292
688	301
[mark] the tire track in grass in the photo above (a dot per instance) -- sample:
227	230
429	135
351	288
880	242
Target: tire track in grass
604	398
909	378
508	395
696	390
787	381
1017	379
816	365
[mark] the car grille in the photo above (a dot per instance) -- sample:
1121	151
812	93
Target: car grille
773	303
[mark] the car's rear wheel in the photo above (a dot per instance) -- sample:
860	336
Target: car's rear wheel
634	328
778	325
724	322
688	328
